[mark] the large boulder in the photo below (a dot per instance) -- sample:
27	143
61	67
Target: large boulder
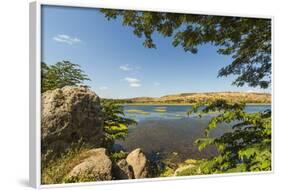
122	170
70	115
137	160
96	167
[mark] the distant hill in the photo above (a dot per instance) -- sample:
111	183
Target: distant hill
190	98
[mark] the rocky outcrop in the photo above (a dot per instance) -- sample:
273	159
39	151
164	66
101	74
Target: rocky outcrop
122	170
69	115
137	160
135	166
96	167
73	115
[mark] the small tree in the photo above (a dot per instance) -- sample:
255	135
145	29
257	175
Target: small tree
115	122
61	74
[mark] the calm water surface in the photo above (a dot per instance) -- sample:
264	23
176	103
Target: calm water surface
168	131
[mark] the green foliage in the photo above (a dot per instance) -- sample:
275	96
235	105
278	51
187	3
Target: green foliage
119	101
61	74
188	171
116	156
247	40
246	148
115	122
203	142
189	167
167	172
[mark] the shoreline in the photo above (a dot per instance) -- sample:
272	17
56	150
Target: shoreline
183	104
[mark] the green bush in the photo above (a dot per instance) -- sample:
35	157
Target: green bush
115	122
116	156
246	148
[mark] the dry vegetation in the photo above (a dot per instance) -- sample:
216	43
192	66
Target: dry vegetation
190	98
55	171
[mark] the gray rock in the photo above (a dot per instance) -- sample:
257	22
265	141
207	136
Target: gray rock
96	167
137	160
69	115
122	170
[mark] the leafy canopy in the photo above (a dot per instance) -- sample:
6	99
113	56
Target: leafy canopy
61	74
247	40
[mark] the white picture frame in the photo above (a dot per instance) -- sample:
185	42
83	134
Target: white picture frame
35	93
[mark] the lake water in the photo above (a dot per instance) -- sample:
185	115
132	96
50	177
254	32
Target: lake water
167	131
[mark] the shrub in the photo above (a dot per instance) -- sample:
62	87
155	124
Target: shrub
246	148
115	122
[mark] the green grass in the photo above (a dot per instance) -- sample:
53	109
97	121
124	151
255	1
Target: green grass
87	177
188	171
54	171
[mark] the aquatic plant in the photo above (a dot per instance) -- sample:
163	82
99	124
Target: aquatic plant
164	108
160	110
137	111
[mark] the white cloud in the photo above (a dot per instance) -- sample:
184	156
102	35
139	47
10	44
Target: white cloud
156	83
103	87
133	82
63	38
125	67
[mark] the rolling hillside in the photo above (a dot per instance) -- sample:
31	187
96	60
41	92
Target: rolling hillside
190	98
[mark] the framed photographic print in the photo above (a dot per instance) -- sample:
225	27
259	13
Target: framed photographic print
120	94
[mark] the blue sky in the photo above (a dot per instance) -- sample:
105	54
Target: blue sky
117	63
